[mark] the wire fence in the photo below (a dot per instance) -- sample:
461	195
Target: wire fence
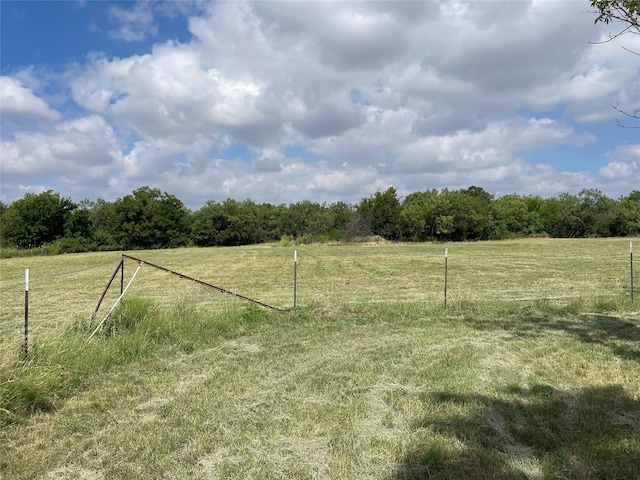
65	289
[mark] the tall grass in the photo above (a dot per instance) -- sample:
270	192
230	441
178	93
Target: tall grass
369	378
137	329
60	364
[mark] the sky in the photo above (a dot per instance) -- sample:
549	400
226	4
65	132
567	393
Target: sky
284	101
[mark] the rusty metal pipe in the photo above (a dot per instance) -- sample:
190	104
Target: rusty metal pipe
106	289
200	282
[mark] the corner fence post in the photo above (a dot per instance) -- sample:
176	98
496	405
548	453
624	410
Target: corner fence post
631	265
117	301
106	289
121	276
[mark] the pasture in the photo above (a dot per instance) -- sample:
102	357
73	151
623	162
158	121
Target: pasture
532	371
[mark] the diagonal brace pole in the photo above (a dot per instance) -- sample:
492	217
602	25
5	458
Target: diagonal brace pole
200	282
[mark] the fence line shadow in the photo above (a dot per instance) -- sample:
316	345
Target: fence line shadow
620	335
535	433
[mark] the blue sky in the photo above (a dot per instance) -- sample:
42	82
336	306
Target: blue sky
53	34
326	101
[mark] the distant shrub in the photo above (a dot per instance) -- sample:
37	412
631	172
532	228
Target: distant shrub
285	241
72	245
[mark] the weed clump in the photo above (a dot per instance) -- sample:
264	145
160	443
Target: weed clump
25	388
130	314
135	329
68	360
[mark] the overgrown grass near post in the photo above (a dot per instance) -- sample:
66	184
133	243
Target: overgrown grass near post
533	371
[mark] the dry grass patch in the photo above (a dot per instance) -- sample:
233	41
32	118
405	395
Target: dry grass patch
369	378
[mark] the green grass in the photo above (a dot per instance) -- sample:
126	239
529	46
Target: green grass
533	371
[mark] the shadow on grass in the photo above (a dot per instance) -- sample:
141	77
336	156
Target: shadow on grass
534	433
619	335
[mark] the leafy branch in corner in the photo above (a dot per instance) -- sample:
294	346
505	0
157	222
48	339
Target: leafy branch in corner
627	13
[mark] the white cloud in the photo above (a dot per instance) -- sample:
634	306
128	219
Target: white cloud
411	94
78	152
133	24
622	172
18	102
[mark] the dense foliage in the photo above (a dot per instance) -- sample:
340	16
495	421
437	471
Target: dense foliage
149	218
625	12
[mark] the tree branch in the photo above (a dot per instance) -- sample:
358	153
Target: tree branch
626	12
635	115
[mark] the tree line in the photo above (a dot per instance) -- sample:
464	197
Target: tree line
149	218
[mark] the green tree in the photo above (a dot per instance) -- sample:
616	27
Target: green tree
342	213
422	216
36	219
562	216
304	217
269	220
357	227
382	213
624	12
3	209
79	224
516	216
626	218
230	223
150	219
106	224
79	232
596	213
549	210
205	224
470	215
331	222
239	224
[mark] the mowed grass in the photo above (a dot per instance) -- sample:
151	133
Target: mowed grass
533	370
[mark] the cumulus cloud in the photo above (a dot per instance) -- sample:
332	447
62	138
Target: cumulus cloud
622	172
410	94
78	152
19	102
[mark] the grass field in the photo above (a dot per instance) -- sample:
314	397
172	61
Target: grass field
532	371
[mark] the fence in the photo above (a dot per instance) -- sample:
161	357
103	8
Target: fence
65	289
